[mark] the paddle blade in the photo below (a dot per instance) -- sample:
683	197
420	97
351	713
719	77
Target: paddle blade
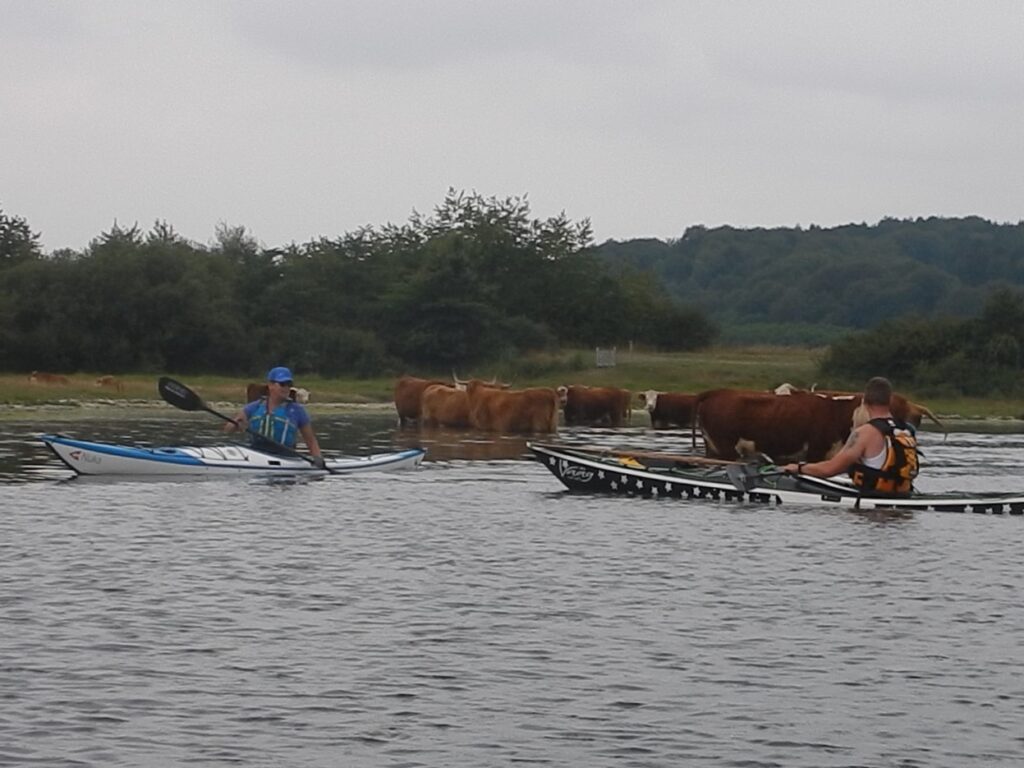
746	476
178	395
740	476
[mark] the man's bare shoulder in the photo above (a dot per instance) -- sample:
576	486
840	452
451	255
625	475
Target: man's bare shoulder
857	436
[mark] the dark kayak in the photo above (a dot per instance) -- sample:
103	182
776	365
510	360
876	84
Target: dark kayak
649	474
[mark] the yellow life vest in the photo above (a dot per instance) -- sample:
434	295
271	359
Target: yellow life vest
896	476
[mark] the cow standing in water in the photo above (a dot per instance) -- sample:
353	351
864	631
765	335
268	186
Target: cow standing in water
409	396
800	426
668	409
595	406
900	407
444	405
513	410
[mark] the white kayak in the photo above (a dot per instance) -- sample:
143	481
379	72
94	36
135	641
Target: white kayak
91	458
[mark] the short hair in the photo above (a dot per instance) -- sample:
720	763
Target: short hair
878	391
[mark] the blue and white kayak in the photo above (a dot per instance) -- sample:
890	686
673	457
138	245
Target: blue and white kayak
91	458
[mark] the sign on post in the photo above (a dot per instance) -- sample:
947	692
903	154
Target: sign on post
604	358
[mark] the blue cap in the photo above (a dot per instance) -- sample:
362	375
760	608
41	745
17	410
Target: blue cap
280	374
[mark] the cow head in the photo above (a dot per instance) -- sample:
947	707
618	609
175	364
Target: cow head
256	391
649	399
563	395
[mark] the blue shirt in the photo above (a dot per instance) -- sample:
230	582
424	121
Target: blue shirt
281	426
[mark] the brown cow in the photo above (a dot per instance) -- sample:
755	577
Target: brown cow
255	392
111	382
408	393
904	410
512	410
39	377
594	406
899	406
799	426
668	409
444	405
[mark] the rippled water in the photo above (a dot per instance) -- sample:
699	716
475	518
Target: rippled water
472	613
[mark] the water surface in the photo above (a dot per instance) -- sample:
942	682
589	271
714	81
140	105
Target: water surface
472	613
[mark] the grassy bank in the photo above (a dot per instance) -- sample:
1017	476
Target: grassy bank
748	367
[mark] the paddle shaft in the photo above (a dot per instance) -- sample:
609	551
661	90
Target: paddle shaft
221	415
679	458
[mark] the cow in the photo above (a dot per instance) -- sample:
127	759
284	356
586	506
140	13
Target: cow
257	391
512	410
408	393
799	426
110	382
594	406
902	409
668	409
444	405
39	377
899	406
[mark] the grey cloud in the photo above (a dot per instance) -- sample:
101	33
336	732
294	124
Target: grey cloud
300	119
397	35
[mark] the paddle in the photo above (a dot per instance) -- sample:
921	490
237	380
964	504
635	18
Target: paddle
678	458
180	396
745	476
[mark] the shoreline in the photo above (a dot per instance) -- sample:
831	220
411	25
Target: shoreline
72	409
75	410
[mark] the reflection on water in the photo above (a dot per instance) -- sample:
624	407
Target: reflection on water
464	445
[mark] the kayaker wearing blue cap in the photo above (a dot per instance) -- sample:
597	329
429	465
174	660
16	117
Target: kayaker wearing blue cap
278	418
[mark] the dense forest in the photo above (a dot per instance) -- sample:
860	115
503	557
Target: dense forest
478	280
941	355
815	285
933	303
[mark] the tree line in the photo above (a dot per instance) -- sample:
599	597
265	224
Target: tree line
478	280
935	304
816	285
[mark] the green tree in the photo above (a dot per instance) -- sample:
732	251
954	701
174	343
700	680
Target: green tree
18	243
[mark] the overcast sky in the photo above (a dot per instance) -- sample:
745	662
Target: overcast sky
306	119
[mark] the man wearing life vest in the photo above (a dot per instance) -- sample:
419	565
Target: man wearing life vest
276	420
880	456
